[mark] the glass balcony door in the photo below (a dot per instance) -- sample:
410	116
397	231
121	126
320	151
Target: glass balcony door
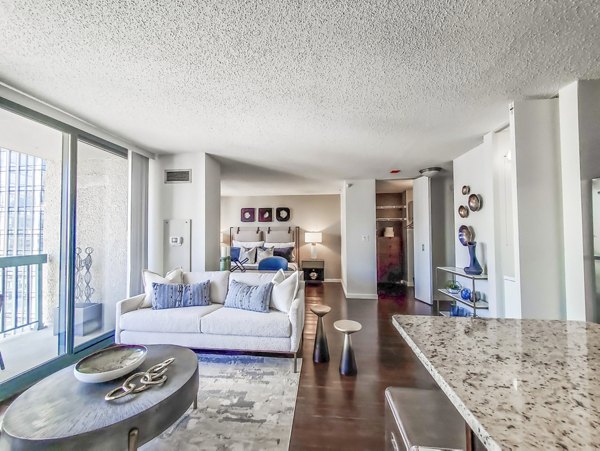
31	191
100	240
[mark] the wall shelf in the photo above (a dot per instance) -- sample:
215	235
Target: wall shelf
390	207
390	219
454	271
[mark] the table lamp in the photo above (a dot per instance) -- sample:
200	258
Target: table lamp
313	238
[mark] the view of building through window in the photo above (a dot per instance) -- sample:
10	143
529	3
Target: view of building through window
22	179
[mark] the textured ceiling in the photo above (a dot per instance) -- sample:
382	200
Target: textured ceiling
323	90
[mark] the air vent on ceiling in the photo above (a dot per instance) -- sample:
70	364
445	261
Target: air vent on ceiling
178	175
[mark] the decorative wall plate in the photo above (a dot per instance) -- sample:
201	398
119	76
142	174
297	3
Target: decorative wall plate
247	215
110	363
463	211
265	215
282	214
465	234
466	189
475	202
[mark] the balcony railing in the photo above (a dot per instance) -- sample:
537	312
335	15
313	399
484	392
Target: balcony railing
21	292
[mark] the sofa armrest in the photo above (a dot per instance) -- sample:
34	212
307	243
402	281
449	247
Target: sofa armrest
126	306
297	318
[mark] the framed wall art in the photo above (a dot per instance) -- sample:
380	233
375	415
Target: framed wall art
247	215
265	215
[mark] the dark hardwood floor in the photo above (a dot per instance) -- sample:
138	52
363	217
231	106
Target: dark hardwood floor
337	412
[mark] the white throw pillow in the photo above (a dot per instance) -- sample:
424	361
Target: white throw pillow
175	276
249	244
290	244
261	254
284	291
247	253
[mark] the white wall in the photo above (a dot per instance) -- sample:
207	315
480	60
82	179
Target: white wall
199	201
579	105
538	208
313	213
359	253
475	169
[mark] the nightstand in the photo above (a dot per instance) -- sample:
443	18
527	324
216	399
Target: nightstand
314	271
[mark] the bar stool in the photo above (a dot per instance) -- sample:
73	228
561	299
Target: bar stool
347	362
321	350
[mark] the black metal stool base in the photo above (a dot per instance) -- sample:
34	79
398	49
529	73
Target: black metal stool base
348	362
321	349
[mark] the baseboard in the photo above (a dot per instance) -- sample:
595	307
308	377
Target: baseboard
361	296
333	280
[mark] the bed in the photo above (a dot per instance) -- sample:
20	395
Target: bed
266	237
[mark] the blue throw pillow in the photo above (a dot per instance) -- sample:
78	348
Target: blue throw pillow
235	253
175	295
248	297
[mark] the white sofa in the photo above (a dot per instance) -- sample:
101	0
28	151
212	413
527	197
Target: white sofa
215	326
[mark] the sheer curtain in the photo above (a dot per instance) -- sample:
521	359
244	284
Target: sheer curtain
138	221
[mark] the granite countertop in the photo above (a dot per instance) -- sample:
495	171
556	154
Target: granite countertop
519	384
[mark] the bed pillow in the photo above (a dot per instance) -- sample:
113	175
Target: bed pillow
284	291
262	253
234	252
247	253
176	295
283	245
248	297
249	244
285	252
149	277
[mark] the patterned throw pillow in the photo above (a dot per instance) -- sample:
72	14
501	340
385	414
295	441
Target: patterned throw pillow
248	297
262	253
176	295
248	253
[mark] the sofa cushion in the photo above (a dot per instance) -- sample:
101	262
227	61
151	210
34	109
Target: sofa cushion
167	320
249	297
229	321
178	295
219	281
150	277
252	278
284	291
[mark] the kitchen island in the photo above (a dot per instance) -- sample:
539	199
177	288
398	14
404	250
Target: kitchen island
519	384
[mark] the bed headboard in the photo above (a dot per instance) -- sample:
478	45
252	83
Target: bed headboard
268	234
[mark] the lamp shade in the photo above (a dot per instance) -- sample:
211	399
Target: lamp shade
313	237
221	237
388	232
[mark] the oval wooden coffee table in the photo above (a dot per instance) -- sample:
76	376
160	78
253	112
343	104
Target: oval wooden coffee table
60	412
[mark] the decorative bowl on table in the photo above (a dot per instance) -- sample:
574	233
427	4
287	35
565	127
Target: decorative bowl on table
453	287
465	293
110	363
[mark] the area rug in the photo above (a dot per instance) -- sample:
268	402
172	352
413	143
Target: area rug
244	403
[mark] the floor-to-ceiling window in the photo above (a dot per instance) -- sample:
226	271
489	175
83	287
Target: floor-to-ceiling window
63	243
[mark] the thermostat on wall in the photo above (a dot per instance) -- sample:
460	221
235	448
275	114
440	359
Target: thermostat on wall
176	240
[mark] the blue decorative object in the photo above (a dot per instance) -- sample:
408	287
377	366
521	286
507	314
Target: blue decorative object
474	268
248	297
465	293
273	264
235	253
176	295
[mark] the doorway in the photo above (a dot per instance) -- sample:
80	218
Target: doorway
394	232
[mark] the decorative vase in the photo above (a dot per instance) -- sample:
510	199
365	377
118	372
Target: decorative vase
474	267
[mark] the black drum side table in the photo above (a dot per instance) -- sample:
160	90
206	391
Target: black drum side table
321	350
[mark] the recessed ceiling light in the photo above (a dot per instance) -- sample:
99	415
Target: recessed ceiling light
395	171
